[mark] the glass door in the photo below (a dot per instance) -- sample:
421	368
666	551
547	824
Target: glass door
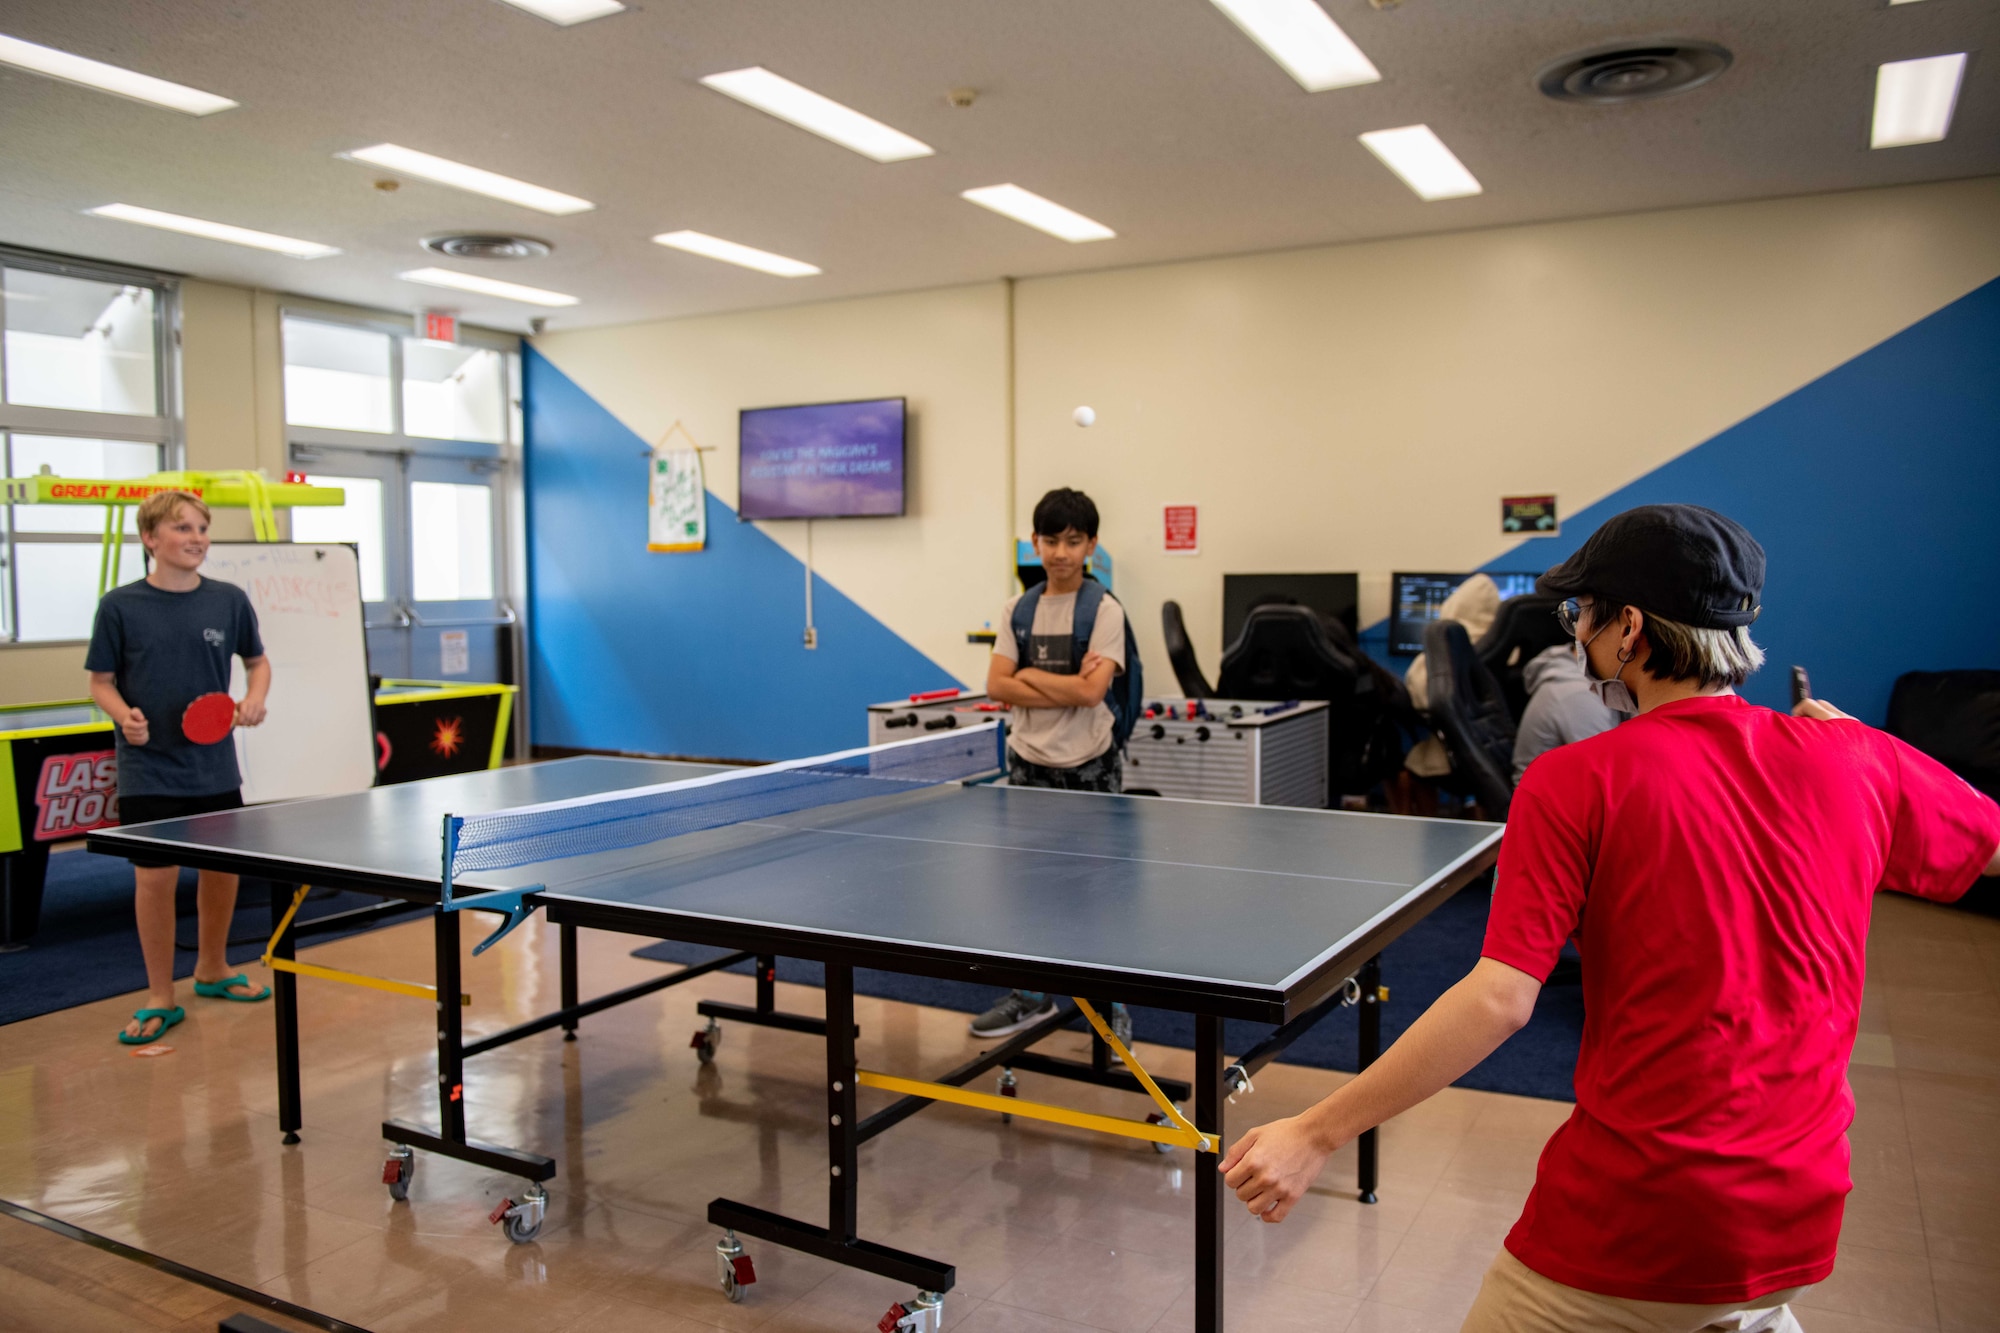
372	519
458	619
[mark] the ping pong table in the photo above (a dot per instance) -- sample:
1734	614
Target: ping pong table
1222	911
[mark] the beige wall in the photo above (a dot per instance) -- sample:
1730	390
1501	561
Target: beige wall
931	575
1364	407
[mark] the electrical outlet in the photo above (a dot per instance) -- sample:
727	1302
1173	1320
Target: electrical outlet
812	637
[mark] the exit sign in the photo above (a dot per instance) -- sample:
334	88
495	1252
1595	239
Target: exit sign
437	326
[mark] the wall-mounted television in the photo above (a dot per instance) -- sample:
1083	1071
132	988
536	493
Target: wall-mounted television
822	460
1416	599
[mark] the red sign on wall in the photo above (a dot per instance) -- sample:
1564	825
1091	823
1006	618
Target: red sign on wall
75	794
438	327
1183	530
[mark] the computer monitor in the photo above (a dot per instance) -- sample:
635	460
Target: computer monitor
1334	595
1415	600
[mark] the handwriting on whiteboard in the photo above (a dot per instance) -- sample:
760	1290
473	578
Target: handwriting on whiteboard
301	595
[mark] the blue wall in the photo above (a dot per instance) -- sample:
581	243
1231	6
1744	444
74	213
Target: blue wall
1875	491
687	654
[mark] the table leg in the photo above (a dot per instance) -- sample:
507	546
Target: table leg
285	1009
1210	1197
767	984
842	1140
450	1029
1371	1047
566	946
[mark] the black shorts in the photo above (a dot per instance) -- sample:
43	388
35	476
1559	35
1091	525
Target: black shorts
146	809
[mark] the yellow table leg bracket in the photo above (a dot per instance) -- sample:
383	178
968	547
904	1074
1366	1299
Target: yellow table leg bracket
276	964
1179	1130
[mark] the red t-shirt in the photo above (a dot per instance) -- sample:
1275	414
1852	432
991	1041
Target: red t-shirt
1716	864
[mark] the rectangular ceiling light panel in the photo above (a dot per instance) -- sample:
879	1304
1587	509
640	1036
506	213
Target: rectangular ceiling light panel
467	282
1421	159
566	12
1300	37
54	64
1914	100
214	231
779	96
729	252
1042	214
458	176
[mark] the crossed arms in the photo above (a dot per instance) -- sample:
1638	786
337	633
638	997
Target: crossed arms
1030	687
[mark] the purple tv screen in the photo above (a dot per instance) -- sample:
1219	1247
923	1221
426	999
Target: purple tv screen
824	460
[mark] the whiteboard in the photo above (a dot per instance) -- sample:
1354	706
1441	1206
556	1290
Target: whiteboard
319	736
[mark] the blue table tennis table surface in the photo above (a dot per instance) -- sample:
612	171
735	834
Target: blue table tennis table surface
1240	909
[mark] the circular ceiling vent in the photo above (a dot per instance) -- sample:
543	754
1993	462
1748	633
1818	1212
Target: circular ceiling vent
1633	73
487	245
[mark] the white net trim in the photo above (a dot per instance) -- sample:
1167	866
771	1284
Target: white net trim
616	820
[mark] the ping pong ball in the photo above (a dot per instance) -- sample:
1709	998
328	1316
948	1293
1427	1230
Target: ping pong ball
1084	416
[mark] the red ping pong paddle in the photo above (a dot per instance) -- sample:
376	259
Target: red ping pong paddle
209	719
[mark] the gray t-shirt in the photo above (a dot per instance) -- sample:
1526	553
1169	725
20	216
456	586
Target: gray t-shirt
1061	737
165	650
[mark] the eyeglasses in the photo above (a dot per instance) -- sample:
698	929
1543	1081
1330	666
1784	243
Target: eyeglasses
1569	614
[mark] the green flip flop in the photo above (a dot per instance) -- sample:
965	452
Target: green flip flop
167	1017
219	990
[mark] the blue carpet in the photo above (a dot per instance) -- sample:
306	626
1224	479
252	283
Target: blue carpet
1537	1062
88	946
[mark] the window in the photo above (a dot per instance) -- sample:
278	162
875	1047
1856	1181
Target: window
87	372
451	541
82	345
454	393
359	520
337	376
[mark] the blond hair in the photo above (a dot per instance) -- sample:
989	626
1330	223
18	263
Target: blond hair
1710	657
163	505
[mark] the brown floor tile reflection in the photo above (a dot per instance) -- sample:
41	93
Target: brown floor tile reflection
1052	1230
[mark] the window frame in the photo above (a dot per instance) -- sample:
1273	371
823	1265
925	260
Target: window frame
165	429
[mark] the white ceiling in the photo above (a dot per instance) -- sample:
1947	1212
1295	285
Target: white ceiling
1156	117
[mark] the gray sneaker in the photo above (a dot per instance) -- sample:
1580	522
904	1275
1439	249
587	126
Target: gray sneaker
1016	1010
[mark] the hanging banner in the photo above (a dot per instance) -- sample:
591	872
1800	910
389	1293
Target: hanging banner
677	500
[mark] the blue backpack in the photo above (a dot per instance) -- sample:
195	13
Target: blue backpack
1127	688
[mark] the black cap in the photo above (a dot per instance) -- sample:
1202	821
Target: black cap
1680	562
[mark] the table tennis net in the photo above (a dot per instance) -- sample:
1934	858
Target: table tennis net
616	820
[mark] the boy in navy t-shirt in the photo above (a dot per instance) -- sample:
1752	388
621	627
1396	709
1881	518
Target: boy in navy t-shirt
158	645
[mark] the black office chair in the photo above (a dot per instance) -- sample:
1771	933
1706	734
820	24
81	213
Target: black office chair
1180	653
1954	717
1293	652
1468	710
1523	627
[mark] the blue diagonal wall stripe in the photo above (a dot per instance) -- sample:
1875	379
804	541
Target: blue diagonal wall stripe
687	654
1875	491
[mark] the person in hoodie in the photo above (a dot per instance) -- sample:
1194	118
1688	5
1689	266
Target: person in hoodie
1561	706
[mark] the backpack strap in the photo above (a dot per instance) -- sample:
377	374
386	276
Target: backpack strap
1023	623
1083	622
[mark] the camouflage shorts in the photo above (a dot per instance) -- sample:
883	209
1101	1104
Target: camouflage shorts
1104	773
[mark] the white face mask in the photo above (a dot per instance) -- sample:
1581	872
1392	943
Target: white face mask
1613	693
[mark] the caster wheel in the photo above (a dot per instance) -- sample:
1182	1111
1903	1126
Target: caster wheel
705	1041
1155	1118
522	1221
1009	1086
733	1269
521	1231
398	1171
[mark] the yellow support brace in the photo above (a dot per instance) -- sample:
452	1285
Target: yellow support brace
276	964
1061	1115
1180	1131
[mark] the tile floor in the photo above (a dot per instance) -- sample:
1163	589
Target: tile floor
1052	1230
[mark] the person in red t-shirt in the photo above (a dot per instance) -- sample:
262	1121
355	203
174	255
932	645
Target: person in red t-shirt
1715	863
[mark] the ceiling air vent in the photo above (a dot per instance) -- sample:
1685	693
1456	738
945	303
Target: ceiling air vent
1632	73
487	245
